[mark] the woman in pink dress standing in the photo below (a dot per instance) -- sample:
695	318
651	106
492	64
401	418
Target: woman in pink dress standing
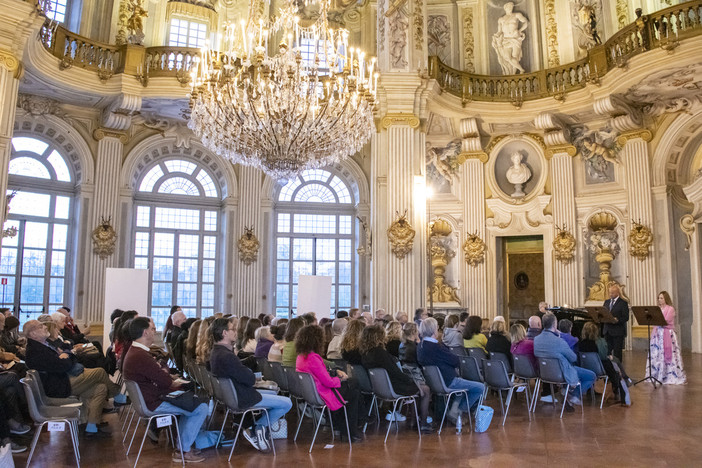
666	361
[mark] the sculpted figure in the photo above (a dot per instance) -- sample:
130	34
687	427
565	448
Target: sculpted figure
518	174
507	41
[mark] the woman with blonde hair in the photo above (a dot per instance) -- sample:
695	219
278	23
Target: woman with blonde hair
243	321
191	343
204	341
666	361
498	342
393	338
350	340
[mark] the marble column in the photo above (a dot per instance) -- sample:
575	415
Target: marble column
567	287
249	277
9	85
691	225
641	287
475	292
105	206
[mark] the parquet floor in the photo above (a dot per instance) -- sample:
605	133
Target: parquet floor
662	428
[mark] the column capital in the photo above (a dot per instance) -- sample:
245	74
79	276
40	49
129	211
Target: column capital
464	156
9	62
643	133
551	151
400	118
101	132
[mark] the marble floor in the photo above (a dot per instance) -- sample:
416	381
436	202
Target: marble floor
661	428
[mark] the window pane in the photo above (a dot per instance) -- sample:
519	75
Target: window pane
187	269
326	269
187	294
302	249
344	224
160	316
59	165
178	165
344	296
179	186
208	271
143	215
326	249
141	243
314	224
63	205
161	294
9	293
207	296
209	246
35	235
8	262
282	295
284	222
58	263
150	179
283	271
207	184
141	263
28	167
163	244
34	263
177	218
29	144
163	269
344	249
210	220
56	290
32	290
32	204
188	245
315	193
344	272
283	248
60	237
301	268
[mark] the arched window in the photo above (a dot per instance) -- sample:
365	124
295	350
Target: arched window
36	244
315	235
176	236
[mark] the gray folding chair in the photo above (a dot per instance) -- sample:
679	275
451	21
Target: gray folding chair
47	400
305	384
470	369
264	368
144	414
496	377
524	370
478	353
42	415
458	350
279	377
551	373
438	387
227	393
383	391
360	373
593	362
504	358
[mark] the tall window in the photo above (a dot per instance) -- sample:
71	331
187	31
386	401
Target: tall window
56	10
176	236
184	33
35	260
315	235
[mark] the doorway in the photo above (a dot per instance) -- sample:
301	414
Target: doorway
523	276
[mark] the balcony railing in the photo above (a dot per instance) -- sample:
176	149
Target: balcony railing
663	29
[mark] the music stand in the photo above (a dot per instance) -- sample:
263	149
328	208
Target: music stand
600	314
650	315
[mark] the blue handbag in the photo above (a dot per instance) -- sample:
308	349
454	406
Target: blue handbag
483	417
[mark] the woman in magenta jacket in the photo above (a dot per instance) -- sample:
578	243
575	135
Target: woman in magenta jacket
335	391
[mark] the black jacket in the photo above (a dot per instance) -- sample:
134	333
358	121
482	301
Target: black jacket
401	382
408	353
498	343
224	363
52	369
620	310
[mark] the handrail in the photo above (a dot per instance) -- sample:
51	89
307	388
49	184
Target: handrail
662	29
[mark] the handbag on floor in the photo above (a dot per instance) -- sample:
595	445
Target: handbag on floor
483	417
279	429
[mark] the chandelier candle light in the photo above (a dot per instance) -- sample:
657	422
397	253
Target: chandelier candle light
283	113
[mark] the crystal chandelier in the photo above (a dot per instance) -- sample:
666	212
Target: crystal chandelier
308	106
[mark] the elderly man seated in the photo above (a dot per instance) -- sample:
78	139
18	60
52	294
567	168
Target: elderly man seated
178	318
432	353
62	376
548	344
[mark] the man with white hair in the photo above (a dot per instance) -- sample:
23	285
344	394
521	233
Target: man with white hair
432	353
534	327
368	318
380	313
178	318
334	349
615	333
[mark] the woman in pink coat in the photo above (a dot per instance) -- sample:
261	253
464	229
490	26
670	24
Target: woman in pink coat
666	361
335	391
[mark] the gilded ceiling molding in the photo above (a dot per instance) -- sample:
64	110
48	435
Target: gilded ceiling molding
622	13
101	132
642	133
9	62
552	33
468	40
400	118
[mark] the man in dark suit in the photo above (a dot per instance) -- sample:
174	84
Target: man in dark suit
615	333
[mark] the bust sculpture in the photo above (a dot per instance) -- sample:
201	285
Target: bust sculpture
518	174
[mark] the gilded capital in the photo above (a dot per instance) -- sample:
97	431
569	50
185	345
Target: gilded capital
464	156
100	133
643	133
551	151
401	118
9	62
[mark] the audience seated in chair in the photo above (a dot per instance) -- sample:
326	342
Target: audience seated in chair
155	383
334	348
275	353
534	327
350	340
452	336
565	326
289	351
264	341
472	336
393	338
521	346
592	342
498	341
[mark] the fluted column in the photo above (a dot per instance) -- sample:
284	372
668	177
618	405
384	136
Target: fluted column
248	277
476	281
9	85
105	205
641	285
567	287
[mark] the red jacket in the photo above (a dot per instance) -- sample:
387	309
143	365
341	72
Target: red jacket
153	380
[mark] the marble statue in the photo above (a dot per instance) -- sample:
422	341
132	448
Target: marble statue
518	174
507	41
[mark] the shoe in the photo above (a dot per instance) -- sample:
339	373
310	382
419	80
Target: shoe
100	434
252	438
569	408
355	438
262	441
109	410
574	400
426	429
17	448
189	457
17	428
397	416
549	399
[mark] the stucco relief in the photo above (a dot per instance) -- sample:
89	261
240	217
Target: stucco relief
671	90
442	165
598	150
399	25
439	37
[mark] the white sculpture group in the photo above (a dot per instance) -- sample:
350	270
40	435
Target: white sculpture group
507	41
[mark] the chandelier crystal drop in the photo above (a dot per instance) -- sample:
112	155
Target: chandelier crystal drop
288	112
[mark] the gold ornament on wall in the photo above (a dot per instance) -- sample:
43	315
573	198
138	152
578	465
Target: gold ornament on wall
640	241
248	246
474	249
604	243
104	238
564	245
440	253
401	236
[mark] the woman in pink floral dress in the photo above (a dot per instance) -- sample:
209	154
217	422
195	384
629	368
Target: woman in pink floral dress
666	361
